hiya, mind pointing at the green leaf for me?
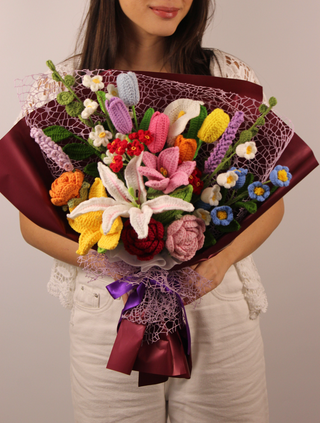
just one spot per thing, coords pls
(245, 136)
(101, 97)
(92, 170)
(196, 123)
(101, 250)
(168, 216)
(209, 240)
(57, 133)
(273, 189)
(249, 180)
(56, 77)
(74, 109)
(260, 121)
(145, 122)
(272, 101)
(250, 206)
(232, 227)
(153, 193)
(263, 108)
(69, 80)
(78, 151)
(199, 142)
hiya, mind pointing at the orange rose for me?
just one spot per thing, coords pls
(187, 148)
(65, 187)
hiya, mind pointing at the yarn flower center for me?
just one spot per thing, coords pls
(249, 149)
(102, 134)
(181, 113)
(222, 215)
(259, 191)
(96, 80)
(282, 175)
(164, 171)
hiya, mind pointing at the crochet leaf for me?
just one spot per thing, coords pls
(91, 169)
(196, 123)
(69, 80)
(145, 122)
(250, 206)
(153, 193)
(232, 227)
(64, 98)
(101, 97)
(57, 133)
(169, 216)
(209, 240)
(78, 151)
(273, 189)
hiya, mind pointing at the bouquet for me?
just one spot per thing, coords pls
(155, 184)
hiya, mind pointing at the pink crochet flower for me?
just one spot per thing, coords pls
(164, 172)
(185, 236)
(158, 128)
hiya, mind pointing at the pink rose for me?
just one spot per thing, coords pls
(185, 236)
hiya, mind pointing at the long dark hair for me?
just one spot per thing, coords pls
(99, 38)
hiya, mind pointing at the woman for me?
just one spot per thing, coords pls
(228, 381)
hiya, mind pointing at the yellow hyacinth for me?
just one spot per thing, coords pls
(89, 225)
(214, 126)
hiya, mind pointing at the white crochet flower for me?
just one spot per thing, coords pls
(211, 195)
(90, 107)
(228, 179)
(100, 136)
(109, 157)
(120, 136)
(124, 203)
(112, 91)
(204, 215)
(247, 150)
(180, 112)
(94, 83)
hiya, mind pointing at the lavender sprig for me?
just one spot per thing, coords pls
(51, 149)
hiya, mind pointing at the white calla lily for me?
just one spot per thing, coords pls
(180, 112)
(128, 202)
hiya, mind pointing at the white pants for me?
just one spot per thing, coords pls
(227, 384)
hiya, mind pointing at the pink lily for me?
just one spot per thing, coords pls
(128, 201)
(164, 172)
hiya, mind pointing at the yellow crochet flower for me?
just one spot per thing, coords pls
(89, 225)
(214, 126)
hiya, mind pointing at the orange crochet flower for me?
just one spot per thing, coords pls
(187, 148)
(65, 187)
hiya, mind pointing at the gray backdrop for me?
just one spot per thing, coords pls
(277, 39)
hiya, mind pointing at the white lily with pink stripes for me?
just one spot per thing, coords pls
(128, 201)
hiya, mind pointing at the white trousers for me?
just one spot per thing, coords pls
(227, 384)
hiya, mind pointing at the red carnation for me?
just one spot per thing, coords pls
(116, 165)
(146, 248)
(134, 148)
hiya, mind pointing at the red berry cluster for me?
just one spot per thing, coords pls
(195, 181)
(143, 136)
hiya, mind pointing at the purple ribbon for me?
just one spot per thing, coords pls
(121, 287)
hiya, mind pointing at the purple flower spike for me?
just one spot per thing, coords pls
(119, 115)
(223, 145)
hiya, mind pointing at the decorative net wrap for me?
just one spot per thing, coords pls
(160, 309)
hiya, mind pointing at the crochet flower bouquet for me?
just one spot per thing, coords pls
(155, 172)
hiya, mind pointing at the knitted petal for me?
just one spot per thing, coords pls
(114, 185)
(111, 240)
(187, 167)
(165, 202)
(151, 173)
(87, 240)
(134, 178)
(158, 185)
(178, 179)
(150, 160)
(159, 126)
(97, 189)
(94, 204)
(139, 219)
(110, 215)
(168, 159)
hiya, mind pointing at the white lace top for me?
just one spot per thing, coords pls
(63, 275)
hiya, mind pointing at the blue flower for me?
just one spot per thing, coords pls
(242, 173)
(128, 88)
(258, 191)
(280, 176)
(202, 205)
(222, 215)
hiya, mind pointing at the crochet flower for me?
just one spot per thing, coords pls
(130, 201)
(213, 126)
(211, 195)
(94, 83)
(228, 179)
(100, 136)
(89, 225)
(222, 215)
(108, 158)
(90, 107)
(135, 148)
(158, 128)
(112, 91)
(164, 172)
(247, 150)
(187, 147)
(119, 115)
(143, 136)
(128, 88)
(117, 163)
(196, 182)
(258, 191)
(180, 112)
(65, 187)
(280, 176)
(146, 248)
(204, 215)
(242, 173)
(185, 237)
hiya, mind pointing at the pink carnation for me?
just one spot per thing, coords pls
(185, 236)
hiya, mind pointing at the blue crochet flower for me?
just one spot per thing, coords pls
(280, 176)
(242, 173)
(202, 205)
(222, 215)
(258, 191)
(128, 88)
